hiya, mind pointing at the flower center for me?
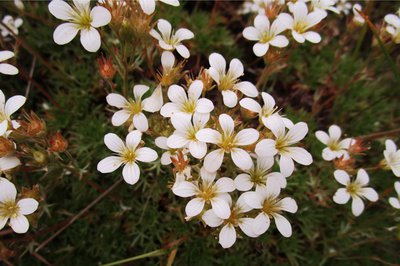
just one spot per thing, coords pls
(128, 156)
(207, 192)
(300, 26)
(191, 133)
(266, 37)
(281, 143)
(227, 142)
(9, 209)
(271, 206)
(227, 82)
(353, 189)
(82, 18)
(2, 117)
(234, 218)
(134, 107)
(266, 112)
(189, 106)
(258, 176)
(334, 145)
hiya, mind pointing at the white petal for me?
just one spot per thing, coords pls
(226, 123)
(184, 189)
(114, 143)
(341, 196)
(9, 162)
(247, 88)
(251, 33)
(283, 225)
(61, 9)
(297, 132)
(3, 221)
(253, 199)
(183, 50)
(204, 106)
(335, 132)
(279, 41)
(171, 2)
(148, 6)
(276, 125)
(213, 160)
(100, 16)
(261, 23)
(390, 145)
(27, 206)
(182, 122)
(241, 158)
(322, 136)
(243, 182)
(261, 224)
(246, 137)
(139, 90)
(315, 17)
(342, 177)
(220, 207)
(260, 49)
(167, 59)
(251, 105)
(312, 36)
(116, 100)
(395, 202)
(120, 117)
(369, 193)
(19, 224)
(225, 184)
(229, 98)
(194, 207)
(140, 122)
(300, 155)
(109, 164)
(266, 148)
(247, 226)
(131, 173)
(357, 206)
(198, 149)
(286, 165)
(13, 104)
(133, 139)
(8, 69)
(8, 191)
(211, 219)
(362, 177)
(218, 62)
(208, 135)
(177, 94)
(227, 236)
(298, 37)
(289, 205)
(177, 141)
(90, 39)
(235, 68)
(154, 103)
(397, 187)
(5, 55)
(169, 109)
(146, 155)
(299, 10)
(183, 34)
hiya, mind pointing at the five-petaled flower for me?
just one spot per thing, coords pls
(392, 157)
(127, 154)
(79, 18)
(355, 189)
(336, 148)
(12, 210)
(7, 108)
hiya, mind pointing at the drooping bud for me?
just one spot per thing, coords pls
(106, 67)
(33, 126)
(6, 147)
(357, 146)
(58, 143)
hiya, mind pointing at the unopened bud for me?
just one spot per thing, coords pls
(343, 163)
(39, 157)
(357, 146)
(32, 126)
(106, 67)
(6, 146)
(58, 143)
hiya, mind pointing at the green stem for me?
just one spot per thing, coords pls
(155, 253)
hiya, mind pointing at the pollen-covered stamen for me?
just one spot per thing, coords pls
(266, 37)
(9, 209)
(191, 133)
(227, 82)
(227, 142)
(207, 191)
(334, 145)
(233, 218)
(271, 206)
(134, 107)
(300, 26)
(82, 19)
(189, 106)
(266, 112)
(258, 176)
(281, 143)
(128, 156)
(353, 189)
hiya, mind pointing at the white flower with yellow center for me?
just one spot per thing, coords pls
(228, 142)
(266, 199)
(149, 6)
(12, 25)
(258, 175)
(6, 68)
(228, 81)
(127, 154)
(282, 145)
(79, 18)
(355, 189)
(12, 210)
(170, 40)
(133, 108)
(266, 34)
(264, 112)
(7, 108)
(395, 201)
(206, 192)
(336, 148)
(227, 234)
(187, 104)
(302, 21)
(185, 134)
(394, 27)
(392, 157)
(323, 5)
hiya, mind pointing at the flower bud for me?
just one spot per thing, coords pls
(357, 146)
(33, 126)
(106, 67)
(58, 143)
(344, 164)
(39, 157)
(6, 146)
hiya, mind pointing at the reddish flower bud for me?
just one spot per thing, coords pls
(344, 164)
(58, 143)
(32, 126)
(357, 146)
(6, 146)
(106, 67)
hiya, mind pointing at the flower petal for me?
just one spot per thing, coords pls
(100, 16)
(109, 164)
(213, 160)
(13, 104)
(61, 10)
(227, 236)
(131, 173)
(341, 196)
(211, 219)
(19, 224)
(357, 206)
(133, 139)
(246, 137)
(8, 191)
(114, 143)
(218, 62)
(27, 206)
(194, 207)
(120, 117)
(90, 39)
(220, 207)
(184, 189)
(266, 148)
(342, 177)
(208, 135)
(241, 158)
(140, 122)
(183, 51)
(260, 49)
(243, 182)
(283, 225)
(230, 98)
(146, 155)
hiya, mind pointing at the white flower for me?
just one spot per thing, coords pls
(395, 202)
(7, 108)
(258, 175)
(12, 24)
(302, 21)
(133, 108)
(19, 4)
(323, 5)
(148, 6)
(185, 134)
(392, 157)
(187, 104)
(282, 145)
(267, 200)
(265, 34)
(228, 142)
(268, 110)
(8, 162)
(358, 19)
(5, 68)
(343, 6)
(15, 211)
(355, 189)
(228, 81)
(167, 61)
(126, 154)
(79, 18)
(336, 148)
(206, 191)
(169, 40)
(394, 27)
(227, 235)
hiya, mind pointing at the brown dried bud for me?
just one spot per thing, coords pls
(206, 79)
(106, 67)
(58, 143)
(180, 163)
(357, 146)
(33, 193)
(344, 164)
(6, 146)
(32, 126)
